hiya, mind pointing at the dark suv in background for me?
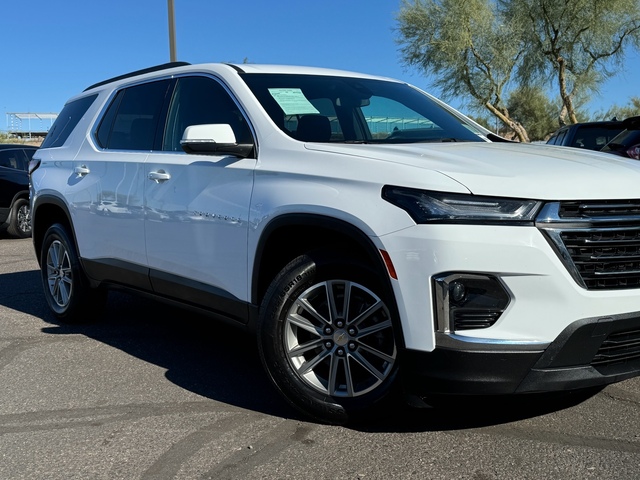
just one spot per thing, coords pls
(589, 135)
(15, 215)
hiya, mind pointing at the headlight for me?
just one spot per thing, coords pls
(437, 207)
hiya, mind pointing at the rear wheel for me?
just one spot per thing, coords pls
(326, 338)
(20, 219)
(66, 288)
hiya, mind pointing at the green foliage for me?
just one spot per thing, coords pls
(574, 44)
(485, 50)
(465, 45)
(533, 109)
(451, 38)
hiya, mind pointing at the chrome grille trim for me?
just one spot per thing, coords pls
(598, 242)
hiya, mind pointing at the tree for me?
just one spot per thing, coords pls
(532, 108)
(575, 43)
(484, 49)
(467, 47)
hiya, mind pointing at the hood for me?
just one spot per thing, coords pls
(541, 172)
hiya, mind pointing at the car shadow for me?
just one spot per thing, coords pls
(220, 362)
(465, 412)
(199, 354)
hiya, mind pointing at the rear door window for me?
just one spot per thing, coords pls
(132, 118)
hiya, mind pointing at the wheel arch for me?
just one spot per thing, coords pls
(20, 195)
(300, 233)
(47, 210)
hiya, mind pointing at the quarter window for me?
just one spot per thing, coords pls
(67, 121)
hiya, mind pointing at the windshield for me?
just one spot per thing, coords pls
(315, 108)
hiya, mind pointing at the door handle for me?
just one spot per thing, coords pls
(81, 171)
(159, 176)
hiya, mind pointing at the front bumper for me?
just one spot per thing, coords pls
(588, 353)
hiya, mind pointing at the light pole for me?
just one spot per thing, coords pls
(172, 32)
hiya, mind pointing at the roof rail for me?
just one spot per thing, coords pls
(163, 66)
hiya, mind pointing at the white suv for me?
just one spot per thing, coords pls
(375, 240)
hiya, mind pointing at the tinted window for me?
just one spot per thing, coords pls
(67, 121)
(199, 101)
(623, 141)
(13, 158)
(594, 137)
(131, 121)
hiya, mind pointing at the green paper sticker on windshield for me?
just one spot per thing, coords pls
(292, 101)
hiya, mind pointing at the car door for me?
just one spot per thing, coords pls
(197, 206)
(108, 201)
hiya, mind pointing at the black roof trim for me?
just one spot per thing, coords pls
(164, 66)
(235, 67)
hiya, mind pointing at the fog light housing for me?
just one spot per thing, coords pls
(465, 301)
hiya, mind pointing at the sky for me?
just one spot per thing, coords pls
(54, 50)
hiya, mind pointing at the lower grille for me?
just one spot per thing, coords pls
(465, 319)
(618, 348)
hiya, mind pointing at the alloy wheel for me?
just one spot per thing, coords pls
(339, 340)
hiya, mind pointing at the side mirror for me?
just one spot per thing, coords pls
(213, 139)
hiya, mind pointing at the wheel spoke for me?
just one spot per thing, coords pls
(54, 288)
(303, 348)
(309, 365)
(366, 364)
(377, 305)
(331, 299)
(53, 255)
(302, 322)
(64, 287)
(336, 364)
(304, 304)
(363, 332)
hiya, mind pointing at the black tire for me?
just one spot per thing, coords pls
(333, 367)
(20, 219)
(66, 288)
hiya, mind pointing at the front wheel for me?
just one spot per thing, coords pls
(326, 338)
(66, 288)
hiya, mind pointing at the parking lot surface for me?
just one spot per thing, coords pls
(151, 392)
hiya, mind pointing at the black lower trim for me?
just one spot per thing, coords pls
(179, 291)
(110, 271)
(487, 369)
(199, 294)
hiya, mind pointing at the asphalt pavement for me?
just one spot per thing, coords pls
(147, 391)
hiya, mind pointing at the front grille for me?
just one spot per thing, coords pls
(598, 241)
(618, 348)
